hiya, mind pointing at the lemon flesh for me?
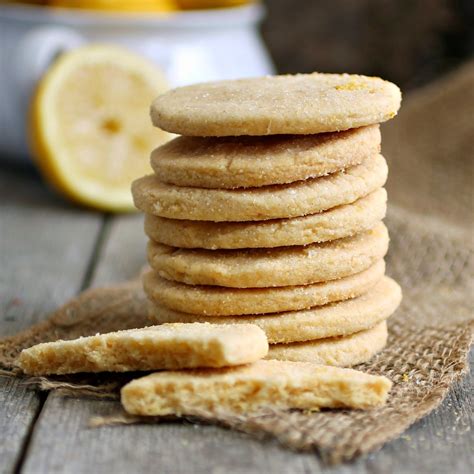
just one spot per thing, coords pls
(90, 127)
(118, 5)
(203, 4)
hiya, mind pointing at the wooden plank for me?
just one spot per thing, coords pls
(63, 443)
(123, 254)
(45, 248)
(18, 409)
(62, 434)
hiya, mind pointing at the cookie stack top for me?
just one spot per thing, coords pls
(302, 104)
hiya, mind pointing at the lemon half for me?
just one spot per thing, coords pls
(118, 5)
(90, 129)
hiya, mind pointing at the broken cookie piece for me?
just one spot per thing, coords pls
(263, 384)
(168, 346)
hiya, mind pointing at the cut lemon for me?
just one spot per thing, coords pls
(118, 5)
(202, 4)
(90, 129)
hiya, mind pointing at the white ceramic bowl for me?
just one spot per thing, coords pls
(189, 46)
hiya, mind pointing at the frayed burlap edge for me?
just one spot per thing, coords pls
(341, 436)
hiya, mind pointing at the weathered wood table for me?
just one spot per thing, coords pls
(50, 251)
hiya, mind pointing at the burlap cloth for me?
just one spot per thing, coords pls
(429, 147)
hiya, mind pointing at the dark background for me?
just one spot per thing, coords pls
(409, 42)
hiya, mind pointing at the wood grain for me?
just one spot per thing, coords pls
(122, 255)
(168, 448)
(45, 247)
(18, 409)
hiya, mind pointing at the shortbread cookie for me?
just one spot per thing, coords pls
(264, 384)
(299, 104)
(336, 223)
(170, 346)
(343, 351)
(335, 319)
(255, 204)
(222, 301)
(243, 162)
(283, 266)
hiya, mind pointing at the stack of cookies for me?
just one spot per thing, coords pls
(268, 210)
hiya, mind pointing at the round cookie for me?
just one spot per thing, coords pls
(344, 351)
(236, 162)
(335, 319)
(297, 104)
(222, 301)
(335, 223)
(283, 266)
(255, 204)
